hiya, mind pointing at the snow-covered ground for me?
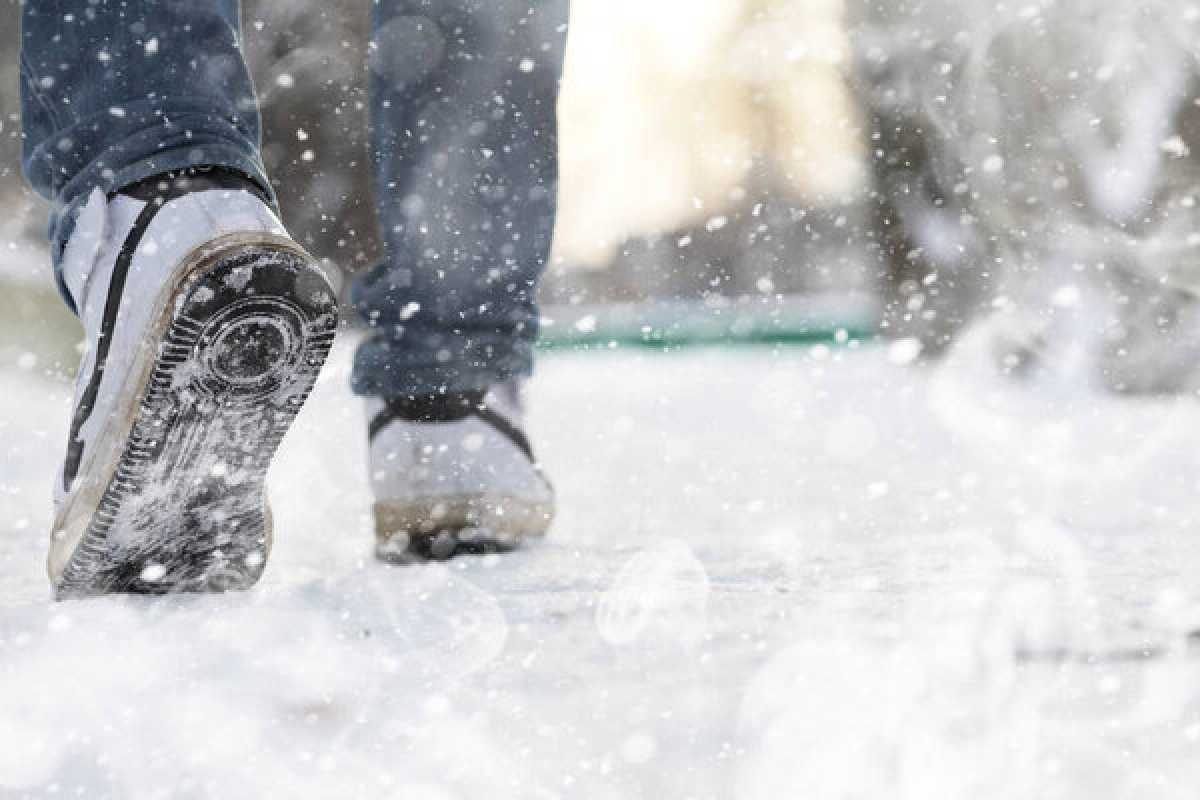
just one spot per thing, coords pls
(798, 573)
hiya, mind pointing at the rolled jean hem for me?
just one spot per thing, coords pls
(220, 155)
(380, 373)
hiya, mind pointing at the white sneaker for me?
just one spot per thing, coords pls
(454, 474)
(206, 326)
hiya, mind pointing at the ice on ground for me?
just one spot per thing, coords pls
(791, 573)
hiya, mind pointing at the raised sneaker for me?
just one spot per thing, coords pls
(205, 329)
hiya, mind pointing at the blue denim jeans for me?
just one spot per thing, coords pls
(464, 143)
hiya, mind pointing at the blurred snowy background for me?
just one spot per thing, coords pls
(812, 572)
(912, 164)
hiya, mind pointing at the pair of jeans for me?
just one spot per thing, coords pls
(463, 137)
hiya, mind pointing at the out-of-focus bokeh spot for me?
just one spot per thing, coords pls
(672, 111)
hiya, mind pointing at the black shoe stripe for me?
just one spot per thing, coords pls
(504, 426)
(156, 192)
(440, 409)
(381, 421)
(116, 288)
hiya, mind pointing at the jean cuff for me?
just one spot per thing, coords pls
(461, 363)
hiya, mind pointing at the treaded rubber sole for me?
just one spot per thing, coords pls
(185, 508)
(437, 529)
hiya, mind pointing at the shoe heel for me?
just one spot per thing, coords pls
(185, 508)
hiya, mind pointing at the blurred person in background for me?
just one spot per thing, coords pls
(206, 324)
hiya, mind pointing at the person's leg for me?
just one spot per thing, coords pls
(204, 324)
(113, 92)
(464, 134)
(465, 142)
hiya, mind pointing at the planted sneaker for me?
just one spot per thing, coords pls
(454, 473)
(206, 326)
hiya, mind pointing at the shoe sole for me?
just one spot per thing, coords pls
(181, 506)
(442, 528)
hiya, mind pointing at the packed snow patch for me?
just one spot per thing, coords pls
(730, 605)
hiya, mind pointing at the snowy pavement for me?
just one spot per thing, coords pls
(792, 573)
